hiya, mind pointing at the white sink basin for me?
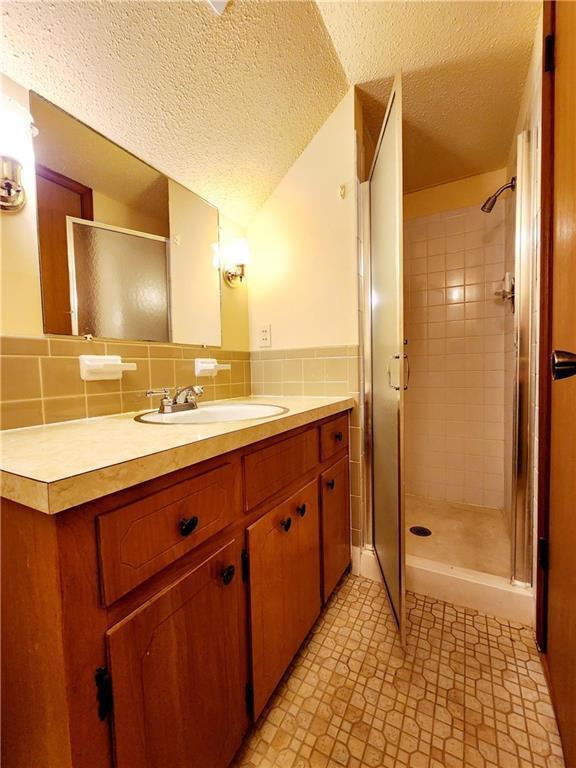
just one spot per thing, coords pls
(212, 414)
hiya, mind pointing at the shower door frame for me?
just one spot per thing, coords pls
(365, 275)
(523, 479)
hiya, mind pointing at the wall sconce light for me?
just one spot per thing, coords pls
(15, 150)
(232, 257)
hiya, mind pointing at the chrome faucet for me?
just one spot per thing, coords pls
(185, 398)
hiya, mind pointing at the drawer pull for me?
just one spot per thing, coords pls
(331, 484)
(339, 437)
(286, 524)
(187, 525)
(301, 510)
(227, 574)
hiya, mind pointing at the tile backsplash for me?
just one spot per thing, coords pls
(40, 378)
(455, 424)
(317, 371)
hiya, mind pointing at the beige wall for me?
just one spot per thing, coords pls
(303, 240)
(118, 214)
(194, 282)
(21, 304)
(457, 194)
(234, 301)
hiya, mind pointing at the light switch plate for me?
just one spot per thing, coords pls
(265, 335)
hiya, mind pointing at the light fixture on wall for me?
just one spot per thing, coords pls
(232, 257)
(15, 150)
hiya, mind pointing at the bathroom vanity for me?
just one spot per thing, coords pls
(153, 599)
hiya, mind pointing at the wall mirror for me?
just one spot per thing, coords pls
(125, 252)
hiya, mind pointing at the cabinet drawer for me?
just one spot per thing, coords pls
(270, 469)
(140, 539)
(333, 436)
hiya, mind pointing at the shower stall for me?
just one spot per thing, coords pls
(469, 411)
(450, 385)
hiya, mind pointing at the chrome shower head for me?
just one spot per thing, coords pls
(491, 201)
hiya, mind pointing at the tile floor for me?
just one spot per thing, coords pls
(469, 692)
(462, 534)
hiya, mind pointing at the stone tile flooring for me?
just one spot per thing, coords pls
(468, 692)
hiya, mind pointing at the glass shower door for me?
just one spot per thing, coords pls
(387, 352)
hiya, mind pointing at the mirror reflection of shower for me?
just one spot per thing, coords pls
(491, 201)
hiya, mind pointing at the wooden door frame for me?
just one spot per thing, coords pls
(84, 192)
(545, 345)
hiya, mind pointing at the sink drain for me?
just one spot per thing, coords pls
(420, 530)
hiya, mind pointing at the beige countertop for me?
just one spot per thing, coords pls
(58, 466)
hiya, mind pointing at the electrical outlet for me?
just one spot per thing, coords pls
(265, 335)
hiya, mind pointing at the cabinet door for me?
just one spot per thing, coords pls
(179, 671)
(335, 524)
(284, 548)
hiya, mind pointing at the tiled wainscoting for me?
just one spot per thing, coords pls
(329, 371)
(454, 261)
(41, 380)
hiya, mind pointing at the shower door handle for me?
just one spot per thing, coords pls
(398, 357)
(563, 364)
(391, 359)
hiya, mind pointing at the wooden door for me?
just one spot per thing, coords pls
(179, 671)
(335, 525)
(284, 550)
(561, 608)
(58, 197)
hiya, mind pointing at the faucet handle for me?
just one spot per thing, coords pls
(193, 392)
(164, 391)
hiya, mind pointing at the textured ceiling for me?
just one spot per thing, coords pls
(464, 65)
(223, 104)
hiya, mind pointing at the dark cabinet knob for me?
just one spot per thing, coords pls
(187, 525)
(331, 484)
(339, 437)
(301, 510)
(227, 574)
(286, 523)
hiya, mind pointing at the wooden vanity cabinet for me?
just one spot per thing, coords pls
(284, 552)
(179, 670)
(132, 638)
(335, 495)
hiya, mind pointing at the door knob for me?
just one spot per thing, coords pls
(301, 510)
(286, 524)
(331, 484)
(563, 364)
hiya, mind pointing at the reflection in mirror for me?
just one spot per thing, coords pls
(125, 252)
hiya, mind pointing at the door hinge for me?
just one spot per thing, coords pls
(103, 682)
(245, 565)
(249, 699)
(549, 57)
(543, 553)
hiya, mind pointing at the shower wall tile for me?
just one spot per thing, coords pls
(456, 332)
